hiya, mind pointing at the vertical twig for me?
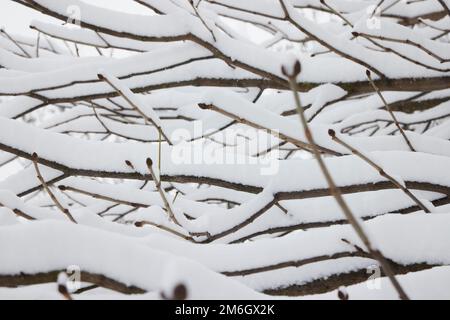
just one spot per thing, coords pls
(159, 151)
(77, 50)
(334, 190)
(388, 108)
(38, 43)
(158, 186)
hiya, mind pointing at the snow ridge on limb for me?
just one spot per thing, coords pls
(186, 157)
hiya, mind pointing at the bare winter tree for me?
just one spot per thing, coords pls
(227, 149)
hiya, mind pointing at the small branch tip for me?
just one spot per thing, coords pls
(149, 162)
(297, 68)
(331, 133)
(129, 164)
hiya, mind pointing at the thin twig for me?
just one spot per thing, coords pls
(149, 163)
(388, 108)
(135, 107)
(380, 170)
(159, 226)
(376, 8)
(195, 7)
(19, 213)
(444, 5)
(167, 204)
(334, 190)
(157, 182)
(66, 211)
(336, 13)
(38, 43)
(15, 42)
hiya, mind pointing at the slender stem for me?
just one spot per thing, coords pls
(380, 170)
(157, 182)
(38, 43)
(195, 7)
(444, 5)
(19, 213)
(159, 152)
(388, 108)
(161, 191)
(334, 190)
(64, 188)
(135, 107)
(336, 13)
(143, 223)
(15, 42)
(47, 189)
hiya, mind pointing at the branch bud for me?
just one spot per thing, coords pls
(149, 163)
(297, 68)
(331, 133)
(129, 164)
(342, 293)
(180, 292)
(139, 224)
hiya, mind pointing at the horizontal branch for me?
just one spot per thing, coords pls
(23, 279)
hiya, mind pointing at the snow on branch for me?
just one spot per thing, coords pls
(162, 150)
